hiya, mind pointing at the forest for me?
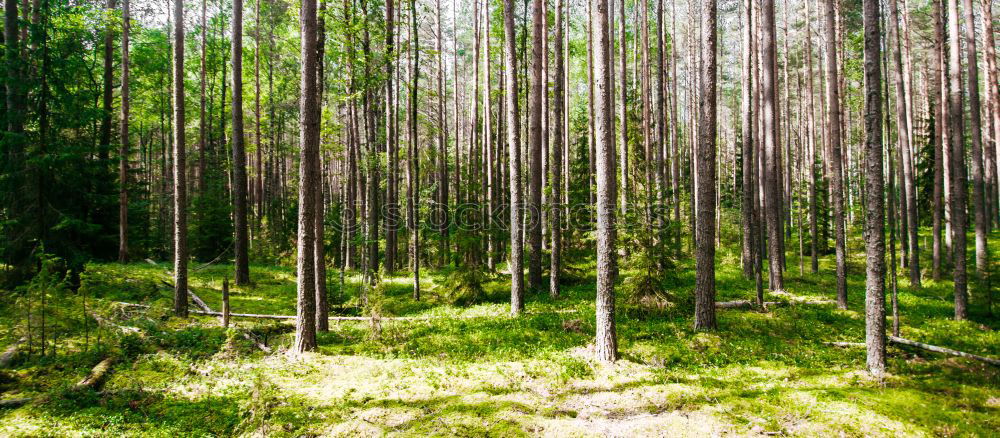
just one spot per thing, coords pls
(499, 218)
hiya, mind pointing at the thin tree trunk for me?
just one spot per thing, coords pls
(940, 124)
(534, 219)
(976, 132)
(179, 168)
(319, 201)
(242, 241)
(413, 162)
(905, 146)
(104, 146)
(957, 165)
(556, 158)
(392, 143)
(748, 213)
(993, 94)
(202, 126)
(124, 151)
(836, 187)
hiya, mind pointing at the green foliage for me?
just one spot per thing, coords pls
(463, 286)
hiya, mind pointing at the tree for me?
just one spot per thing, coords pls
(748, 213)
(392, 143)
(242, 241)
(606, 337)
(704, 301)
(514, 148)
(771, 122)
(556, 159)
(123, 153)
(957, 146)
(874, 186)
(179, 169)
(108, 88)
(534, 220)
(836, 161)
(938, 85)
(909, 188)
(976, 132)
(305, 325)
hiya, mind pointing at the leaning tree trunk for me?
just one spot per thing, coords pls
(957, 152)
(874, 187)
(179, 169)
(305, 319)
(836, 182)
(704, 304)
(606, 347)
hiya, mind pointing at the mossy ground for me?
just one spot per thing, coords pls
(474, 371)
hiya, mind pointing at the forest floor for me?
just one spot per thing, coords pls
(474, 371)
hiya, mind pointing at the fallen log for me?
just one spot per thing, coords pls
(738, 304)
(845, 344)
(14, 402)
(936, 349)
(259, 344)
(10, 352)
(97, 374)
(193, 296)
(94, 379)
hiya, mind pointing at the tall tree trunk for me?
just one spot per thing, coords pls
(556, 158)
(123, 153)
(534, 219)
(516, 264)
(319, 200)
(104, 147)
(771, 122)
(704, 304)
(606, 347)
(179, 168)
(623, 160)
(202, 126)
(976, 132)
(957, 152)
(413, 162)
(874, 185)
(392, 144)
(836, 186)
(813, 175)
(940, 124)
(241, 241)
(305, 321)
(905, 146)
(660, 190)
(748, 213)
(993, 113)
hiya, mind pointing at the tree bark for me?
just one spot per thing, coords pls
(606, 347)
(556, 158)
(179, 168)
(242, 241)
(305, 321)
(748, 213)
(516, 264)
(319, 200)
(704, 305)
(976, 132)
(534, 219)
(957, 152)
(940, 124)
(123, 153)
(836, 186)
(905, 144)
(993, 96)
(771, 122)
(874, 187)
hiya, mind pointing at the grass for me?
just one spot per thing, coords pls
(477, 372)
